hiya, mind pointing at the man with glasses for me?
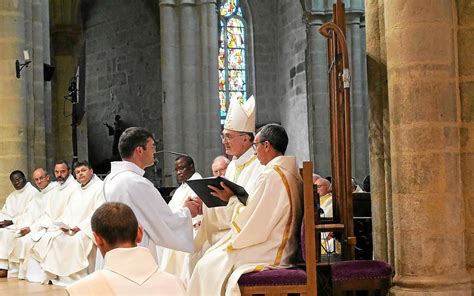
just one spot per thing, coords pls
(126, 184)
(263, 232)
(325, 202)
(219, 165)
(28, 227)
(244, 169)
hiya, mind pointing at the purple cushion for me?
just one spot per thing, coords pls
(360, 269)
(274, 277)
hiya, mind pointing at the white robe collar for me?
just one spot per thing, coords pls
(91, 181)
(27, 186)
(244, 157)
(119, 166)
(136, 264)
(286, 162)
(50, 187)
(69, 181)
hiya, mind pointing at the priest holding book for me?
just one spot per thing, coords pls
(263, 232)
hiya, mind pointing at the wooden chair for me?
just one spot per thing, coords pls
(293, 280)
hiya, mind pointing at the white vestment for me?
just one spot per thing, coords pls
(128, 271)
(43, 230)
(244, 171)
(68, 254)
(162, 227)
(15, 209)
(172, 261)
(327, 243)
(263, 233)
(35, 210)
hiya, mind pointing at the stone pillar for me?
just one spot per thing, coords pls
(49, 137)
(466, 86)
(379, 132)
(318, 105)
(13, 119)
(171, 79)
(37, 147)
(189, 77)
(428, 206)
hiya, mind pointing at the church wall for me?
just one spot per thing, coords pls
(265, 57)
(291, 77)
(122, 69)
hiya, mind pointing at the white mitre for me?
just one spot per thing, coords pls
(241, 117)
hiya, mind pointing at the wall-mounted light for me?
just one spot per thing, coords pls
(19, 66)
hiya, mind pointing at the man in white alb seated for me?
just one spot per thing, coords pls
(244, 169)
(264, 231)
(67, 256)
(55, 206)
(173, 261)
(27, 224)
(12, 214)
(128, 268)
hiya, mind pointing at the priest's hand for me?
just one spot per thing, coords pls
(194, 206)
(225, 194)
(75, 230)
(24, 231)
(6, 223)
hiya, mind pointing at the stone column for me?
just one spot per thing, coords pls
(428, 205)
(37, 147)
(13, 119)
(189, 77)
(379, 132)
(466, 86)
(171, 79)
(49, 137)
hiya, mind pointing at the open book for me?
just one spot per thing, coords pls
(199, 186)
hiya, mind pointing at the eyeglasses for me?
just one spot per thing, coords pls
(228, 137)
(254, 145)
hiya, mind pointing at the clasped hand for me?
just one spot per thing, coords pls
(223, 194)
(194, 205)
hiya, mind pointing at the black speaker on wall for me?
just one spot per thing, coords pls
(48, 72)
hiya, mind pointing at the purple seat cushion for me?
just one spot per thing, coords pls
(274, 277)
(359, 270)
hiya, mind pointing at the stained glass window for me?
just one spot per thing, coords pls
(232, 52)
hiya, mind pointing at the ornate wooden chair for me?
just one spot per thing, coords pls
(293, 280)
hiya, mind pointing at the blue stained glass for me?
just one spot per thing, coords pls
(232, 55)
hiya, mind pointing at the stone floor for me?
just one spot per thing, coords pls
(12, 287)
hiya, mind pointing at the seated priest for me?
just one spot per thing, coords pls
(264, 231)
(12, 214)
(173, 261)
(54, 209)
(27, 225)
(244, 170)
(128, 268)
(68, 251)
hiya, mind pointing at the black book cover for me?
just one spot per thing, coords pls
(199, 186)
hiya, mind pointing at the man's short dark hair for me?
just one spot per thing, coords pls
(82, 163)
(276, 135)
(63, 162)
(115, 222)
(187, 159)
(132, 138)
(19, 173)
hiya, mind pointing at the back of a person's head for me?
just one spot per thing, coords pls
(276, 135)
(115, 222)
(131, 138)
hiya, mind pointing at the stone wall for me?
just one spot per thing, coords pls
(122, 70)
(291, 78)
